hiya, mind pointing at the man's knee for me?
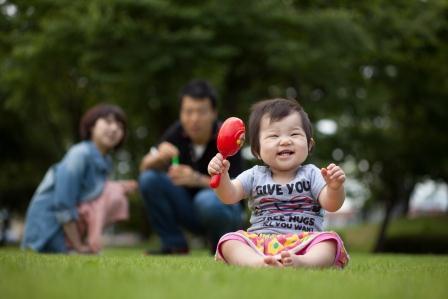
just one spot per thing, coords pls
(148, 180)
(211, 210)
(206, 202)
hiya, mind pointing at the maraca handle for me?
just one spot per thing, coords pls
(214, 182)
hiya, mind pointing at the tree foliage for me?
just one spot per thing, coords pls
(376, 68)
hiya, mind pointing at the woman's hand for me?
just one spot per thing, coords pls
(130, 186)
(84, 249)
(94, 245)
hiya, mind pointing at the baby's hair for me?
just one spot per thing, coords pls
(275, 109)
(90, 117)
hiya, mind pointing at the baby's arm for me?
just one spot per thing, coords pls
(229, 191)
(332, 195)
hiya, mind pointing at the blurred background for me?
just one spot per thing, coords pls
(372, 75)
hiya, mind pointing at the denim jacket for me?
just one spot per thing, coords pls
(79, 177)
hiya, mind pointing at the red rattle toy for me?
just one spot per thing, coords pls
(230, 140)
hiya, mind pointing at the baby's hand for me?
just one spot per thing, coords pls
(333, 175)
(218, 165)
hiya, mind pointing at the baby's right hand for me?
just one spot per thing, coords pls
(218, 165)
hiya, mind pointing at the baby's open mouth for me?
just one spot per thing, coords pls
(285, 153)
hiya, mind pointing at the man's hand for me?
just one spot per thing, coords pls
(160, 157)
(167, 151)
(334, 176)
(184, 175)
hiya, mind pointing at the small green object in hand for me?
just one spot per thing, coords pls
(175, 160)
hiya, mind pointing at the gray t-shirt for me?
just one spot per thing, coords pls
(283, 208)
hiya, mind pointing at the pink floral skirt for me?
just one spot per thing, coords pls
(273, 244)
(111, 206)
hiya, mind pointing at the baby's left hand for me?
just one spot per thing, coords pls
(333, 175)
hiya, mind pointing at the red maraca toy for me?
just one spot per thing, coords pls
(230, 140)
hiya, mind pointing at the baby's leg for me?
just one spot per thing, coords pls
(319, 256)
(238, 253)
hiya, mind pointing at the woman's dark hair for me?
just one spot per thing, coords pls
(199, 89)
(90, 117)
(275, 109)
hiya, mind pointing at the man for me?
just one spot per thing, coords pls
(174, 182)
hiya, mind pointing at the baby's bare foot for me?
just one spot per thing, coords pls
(289, 259)
(271, 261)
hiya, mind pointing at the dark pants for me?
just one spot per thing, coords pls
(171, 207)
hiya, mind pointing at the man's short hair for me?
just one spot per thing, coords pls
(198, 89)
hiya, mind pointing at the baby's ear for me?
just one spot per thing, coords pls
(311, 145)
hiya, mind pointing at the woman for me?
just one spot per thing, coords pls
(72, 196)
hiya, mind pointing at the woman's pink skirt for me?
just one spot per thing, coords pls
(273, 245)
(111, 206)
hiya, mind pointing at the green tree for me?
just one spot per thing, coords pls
(61, 57)
(376, 68)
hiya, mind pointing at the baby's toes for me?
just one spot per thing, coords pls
(286, 258)
(272, 261)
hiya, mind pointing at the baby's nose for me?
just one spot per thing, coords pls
(285, 140)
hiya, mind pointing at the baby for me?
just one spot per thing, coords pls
(286, 197)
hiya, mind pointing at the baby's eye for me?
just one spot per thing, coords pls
(272, 136)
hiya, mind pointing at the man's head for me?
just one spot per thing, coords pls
(198, 110)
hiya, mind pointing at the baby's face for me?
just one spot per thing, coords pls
(283, 143)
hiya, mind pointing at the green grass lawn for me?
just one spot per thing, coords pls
(362, 238)
(126, 273)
